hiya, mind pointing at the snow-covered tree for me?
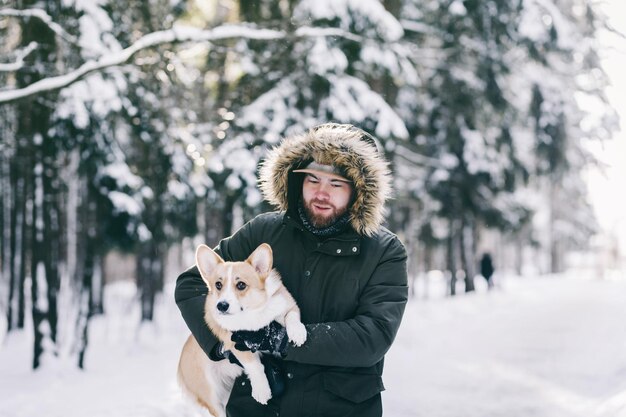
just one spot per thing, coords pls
(36, 167)
(462, 123)
(286, 87)
(132, 125)
(560, 76)
(499, 100)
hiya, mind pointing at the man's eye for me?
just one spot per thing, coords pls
(218, 286)
(241, 286)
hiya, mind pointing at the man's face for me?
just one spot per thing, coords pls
(326, 198)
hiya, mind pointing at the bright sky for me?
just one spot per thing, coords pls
(606, 188)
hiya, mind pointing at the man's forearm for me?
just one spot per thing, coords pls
(358, 342)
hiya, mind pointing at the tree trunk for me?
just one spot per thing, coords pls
(87, 265)
(519, 251)
(227, 215)
(92, 275)
(10, 257)
(19, 230)
(468, 252)
(556, 264)
(42, 197)
(213, 226)
(52, 230)
(451, 256)
(7, 198)
(150, 276)
(38, 268)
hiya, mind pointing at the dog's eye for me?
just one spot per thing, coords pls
(241, 286)
(218, 286)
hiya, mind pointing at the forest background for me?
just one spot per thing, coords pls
(132, 131)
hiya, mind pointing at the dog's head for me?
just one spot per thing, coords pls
(236, 287)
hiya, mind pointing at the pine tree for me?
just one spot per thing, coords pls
(35, 172)
(465, 123)
(563, 67)
(165, 203)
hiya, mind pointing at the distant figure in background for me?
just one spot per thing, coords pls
(486, 269)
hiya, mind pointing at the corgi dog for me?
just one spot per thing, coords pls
(245, 295)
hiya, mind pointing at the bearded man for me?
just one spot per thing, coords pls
(345, 270)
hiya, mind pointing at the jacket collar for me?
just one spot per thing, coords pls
(346, 243)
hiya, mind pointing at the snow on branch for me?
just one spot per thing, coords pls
(418, 27)
(19, 61)
(44, 17)
(309, 32)
(175, 35)
(419, 159)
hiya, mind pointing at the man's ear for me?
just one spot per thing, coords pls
(261, 259)
(207, 260)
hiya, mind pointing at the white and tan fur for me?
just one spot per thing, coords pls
(242, 296)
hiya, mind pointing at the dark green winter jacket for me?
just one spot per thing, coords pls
(351, 290)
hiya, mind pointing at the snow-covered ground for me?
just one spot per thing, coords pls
(549, 347)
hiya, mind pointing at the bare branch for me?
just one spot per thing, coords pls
(19, 61)
(175, 35)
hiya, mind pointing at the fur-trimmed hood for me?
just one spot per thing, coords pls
(350, 149)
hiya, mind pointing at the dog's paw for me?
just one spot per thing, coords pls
(297, 333)
(261, 394)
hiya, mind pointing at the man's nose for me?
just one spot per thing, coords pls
(322, 195)
(322, 192)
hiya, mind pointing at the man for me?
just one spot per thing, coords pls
(487, 269)
(347, 273)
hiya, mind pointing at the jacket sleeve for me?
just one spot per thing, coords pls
(190, 294)
(362, 341)
(191, 291)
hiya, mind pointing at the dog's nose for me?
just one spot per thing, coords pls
(222, 306)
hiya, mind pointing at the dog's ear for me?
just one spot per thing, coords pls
(261, 259)
(207, 260)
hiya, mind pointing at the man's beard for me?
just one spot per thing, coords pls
(321, 221)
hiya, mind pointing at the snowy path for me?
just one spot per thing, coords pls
(549, 347)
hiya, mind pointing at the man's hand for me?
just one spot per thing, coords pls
(218, 353)
(271, 339)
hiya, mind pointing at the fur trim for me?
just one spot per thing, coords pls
(341, 145)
